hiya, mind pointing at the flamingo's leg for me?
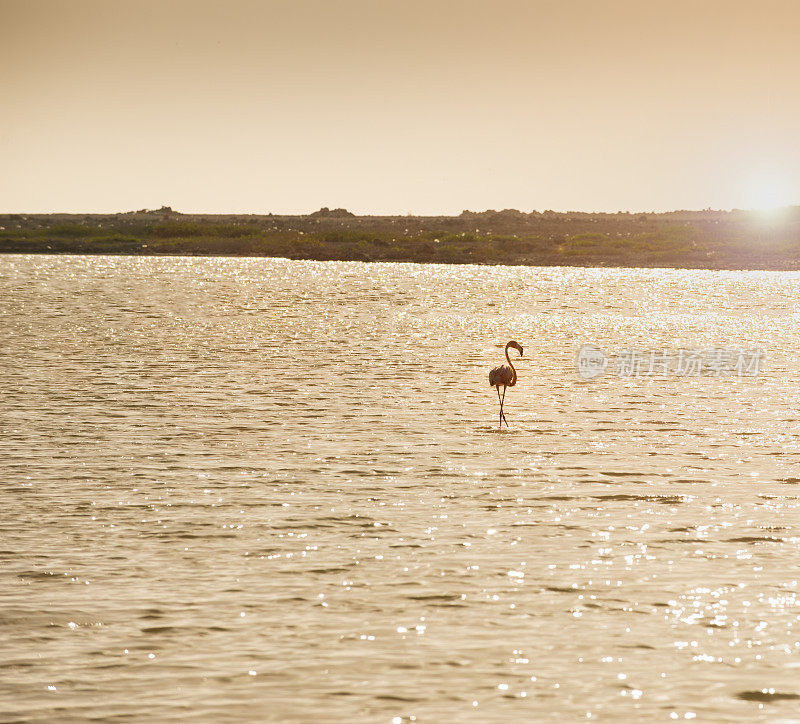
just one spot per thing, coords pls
(497, 387)
(502, 416)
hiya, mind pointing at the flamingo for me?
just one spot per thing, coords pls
(505, 375)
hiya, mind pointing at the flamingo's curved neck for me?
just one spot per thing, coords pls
(513, 370)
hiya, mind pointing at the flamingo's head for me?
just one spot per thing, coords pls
(516, 345)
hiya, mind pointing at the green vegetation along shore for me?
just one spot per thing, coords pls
(680, 239)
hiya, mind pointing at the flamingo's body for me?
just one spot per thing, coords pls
(505, 375)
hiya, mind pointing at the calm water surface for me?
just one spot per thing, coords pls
(267, 490)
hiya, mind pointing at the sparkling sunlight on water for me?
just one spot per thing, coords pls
(253, 489)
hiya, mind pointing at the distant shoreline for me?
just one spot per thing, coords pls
(732, 240)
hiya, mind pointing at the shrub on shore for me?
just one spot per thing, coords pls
(544, 239)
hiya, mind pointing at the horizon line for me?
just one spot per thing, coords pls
(168, 209)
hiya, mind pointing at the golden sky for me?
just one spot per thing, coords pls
(412, 106)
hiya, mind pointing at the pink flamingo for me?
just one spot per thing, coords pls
(505, 375)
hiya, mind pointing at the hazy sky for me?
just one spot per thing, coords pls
(398, 107)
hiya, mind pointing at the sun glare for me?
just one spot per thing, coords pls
(768, 195)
